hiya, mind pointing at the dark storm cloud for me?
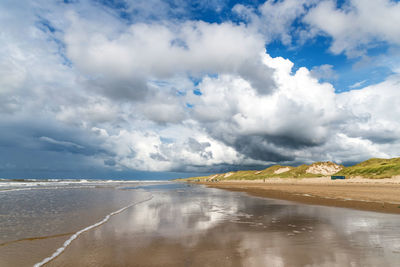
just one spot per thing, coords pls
(158, 157)
(259, 148)
(259, 76)
(290, 140)
(123, 90)
(47, 143)
(110, 162)
(218, 168)
(200, 148)
(25, 137)
(378, 135)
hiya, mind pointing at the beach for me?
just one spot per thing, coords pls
(379, 195)
(200, 133)
(183, 224)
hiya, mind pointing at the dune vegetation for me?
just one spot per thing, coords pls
(372, 168)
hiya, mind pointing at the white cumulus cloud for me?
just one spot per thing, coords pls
(358, 25)
(184, 95)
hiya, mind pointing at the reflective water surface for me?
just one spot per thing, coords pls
(188, 225)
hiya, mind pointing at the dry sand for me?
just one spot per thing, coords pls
(382, 195)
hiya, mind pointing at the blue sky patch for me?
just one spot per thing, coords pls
(197, 92)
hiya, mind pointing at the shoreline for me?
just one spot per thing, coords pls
(362, 194)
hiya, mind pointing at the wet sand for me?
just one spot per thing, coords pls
(197, 226)
(192, 225)
(35, 222)
(362, 194)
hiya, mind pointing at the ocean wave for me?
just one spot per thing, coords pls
(8, 185)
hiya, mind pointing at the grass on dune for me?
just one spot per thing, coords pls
(373, 168)
(294, 172)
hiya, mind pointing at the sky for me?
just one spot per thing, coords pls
(157, 89)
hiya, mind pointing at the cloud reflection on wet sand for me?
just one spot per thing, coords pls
(196, 226)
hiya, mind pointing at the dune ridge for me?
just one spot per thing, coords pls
(374, 168)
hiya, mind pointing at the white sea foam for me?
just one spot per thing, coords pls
(16, 189)
(74, 236)
(28, 184)
(6, 190)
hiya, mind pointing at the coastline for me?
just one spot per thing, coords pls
(381, 195)
(191, 225)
